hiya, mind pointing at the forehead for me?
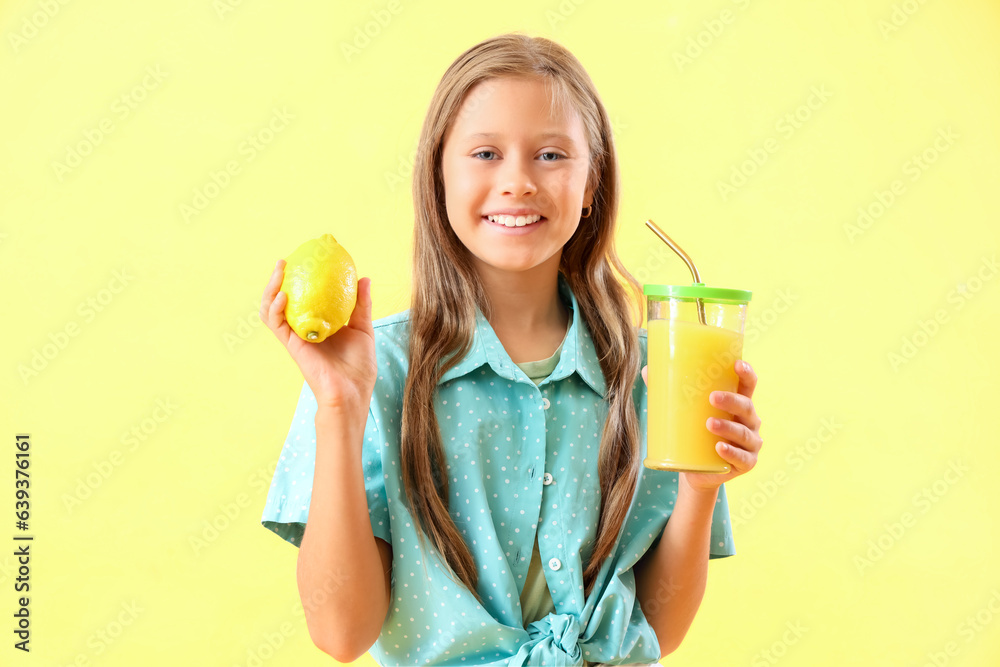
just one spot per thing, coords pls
(507, 106)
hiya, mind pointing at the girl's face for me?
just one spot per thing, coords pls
(508, 154)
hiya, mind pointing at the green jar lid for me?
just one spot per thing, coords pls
(697, 291)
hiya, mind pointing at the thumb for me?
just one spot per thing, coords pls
(361, 317)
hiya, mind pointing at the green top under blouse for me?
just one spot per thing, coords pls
(536, 601)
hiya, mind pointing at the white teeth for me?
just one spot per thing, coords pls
(514, 221)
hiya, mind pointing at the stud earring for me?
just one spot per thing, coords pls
(589, 209)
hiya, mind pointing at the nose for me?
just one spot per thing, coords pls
(515, 178)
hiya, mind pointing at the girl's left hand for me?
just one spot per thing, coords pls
(741, 439)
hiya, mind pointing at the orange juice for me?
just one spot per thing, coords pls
(687, 361)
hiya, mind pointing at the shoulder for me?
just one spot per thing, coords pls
(392, 339)
(392, 323)
(392, 336)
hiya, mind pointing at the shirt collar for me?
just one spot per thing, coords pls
(578, 352)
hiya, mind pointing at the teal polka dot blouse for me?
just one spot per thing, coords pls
(522, 460)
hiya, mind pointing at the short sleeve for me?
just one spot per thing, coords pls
(652, 506)
(287, 507)
(657, 492)
(722, 528)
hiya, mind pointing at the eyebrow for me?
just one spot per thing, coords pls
(544, 135)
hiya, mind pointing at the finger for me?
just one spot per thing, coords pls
(739, 406)
(748, 379)
(361, 316)
(276, 317)
(272, 287)
(735, 433)
(644, 378)
(741, 460)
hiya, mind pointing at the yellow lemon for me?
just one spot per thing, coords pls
(321, 282)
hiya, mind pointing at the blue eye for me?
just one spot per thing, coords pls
(557, 156)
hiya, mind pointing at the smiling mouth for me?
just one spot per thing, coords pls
(513, 220)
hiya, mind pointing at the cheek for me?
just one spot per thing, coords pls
(570, 184)
(459, 185)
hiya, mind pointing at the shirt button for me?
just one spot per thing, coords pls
(555, 564)
(547, 479)
(545, 403)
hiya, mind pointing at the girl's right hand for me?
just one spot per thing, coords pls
(341, 370)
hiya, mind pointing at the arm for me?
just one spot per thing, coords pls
(670, 578)
(342, 571)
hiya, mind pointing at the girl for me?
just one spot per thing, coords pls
(464, 479)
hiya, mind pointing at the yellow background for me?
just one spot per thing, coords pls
(840, 544)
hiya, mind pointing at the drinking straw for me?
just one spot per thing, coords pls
(687, 260)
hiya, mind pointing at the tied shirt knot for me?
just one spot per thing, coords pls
(554, 640)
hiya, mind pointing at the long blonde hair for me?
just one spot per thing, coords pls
(443, 317)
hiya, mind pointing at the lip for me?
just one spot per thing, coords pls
(516, 231)
(513, 211)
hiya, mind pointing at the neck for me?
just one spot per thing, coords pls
(528, 316)
(527, 301)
